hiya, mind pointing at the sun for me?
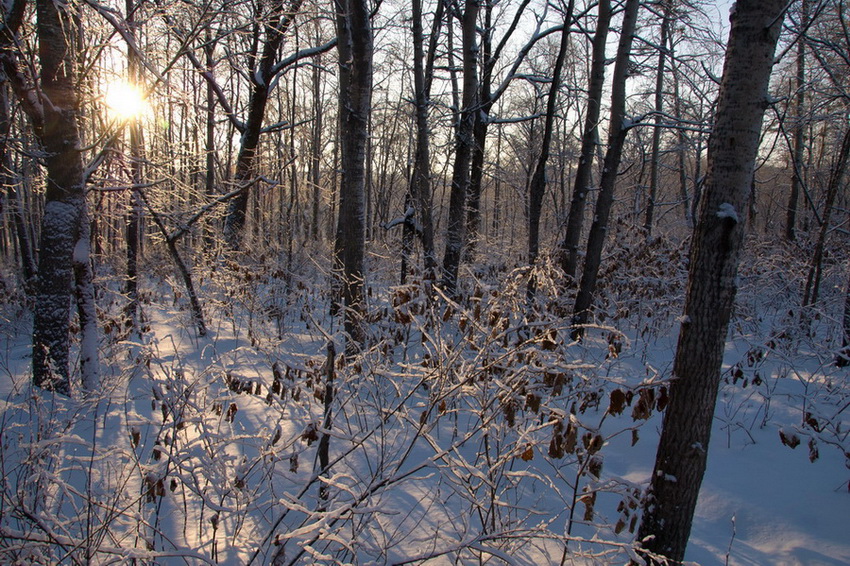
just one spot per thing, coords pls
(125, 101)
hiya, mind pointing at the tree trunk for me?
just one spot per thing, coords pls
(616, 138)
(316, 149)
(134, 216)
(464, 140)
(64, 199)
(537, 187)
(681, 458)
(355, 49)
(589, 137)
(843, 357)
(681, 140)
(812, 289)
(799, 130)
(656, 131)
(420, 186)
(279, 21)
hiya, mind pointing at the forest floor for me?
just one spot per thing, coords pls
(469, 431)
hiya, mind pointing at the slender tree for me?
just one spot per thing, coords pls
(537, 187)
(12, 18)
(682, 452)
(660, 71)
(355, 49)
(274, 30)
(617, 130)
(420, 185)
(464, 141)
(589, 143)
(799, 128)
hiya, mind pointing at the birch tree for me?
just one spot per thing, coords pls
(682, 452)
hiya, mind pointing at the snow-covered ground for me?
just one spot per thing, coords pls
(467, 433)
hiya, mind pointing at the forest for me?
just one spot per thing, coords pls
(429, 282)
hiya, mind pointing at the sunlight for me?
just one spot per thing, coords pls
(125, 101)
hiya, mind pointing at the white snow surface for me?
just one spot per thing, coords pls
(401, 492)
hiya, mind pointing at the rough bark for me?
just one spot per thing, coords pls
(681, 457)
(584, 171)
(464, 140)
(617, 131)
(354, 32)
(64, 199)
(537, 188)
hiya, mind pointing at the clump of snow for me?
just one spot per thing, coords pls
(727, 210)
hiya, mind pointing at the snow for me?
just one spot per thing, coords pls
(727, 210)
(424, 462)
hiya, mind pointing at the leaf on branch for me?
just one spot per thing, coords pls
(789, 439)
(617, 402)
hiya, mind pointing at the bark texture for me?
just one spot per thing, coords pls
(681, 457)
(64, 199)
(355, 49)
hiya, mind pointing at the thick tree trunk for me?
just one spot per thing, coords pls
(659, 107)
(681, 458)
(589, 137)
(616, 138)
(464, 140)
(537, 187)
(64, 200)
(354, 32)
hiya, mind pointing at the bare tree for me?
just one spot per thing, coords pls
(537, 187)
(263, 74)
(12, 18)
(354, 45)
(666, 22)
(617, 131)
(799, 128)
(682, 452)
(53, 113)
(589, 143)
(464, 141)
(420, 184)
